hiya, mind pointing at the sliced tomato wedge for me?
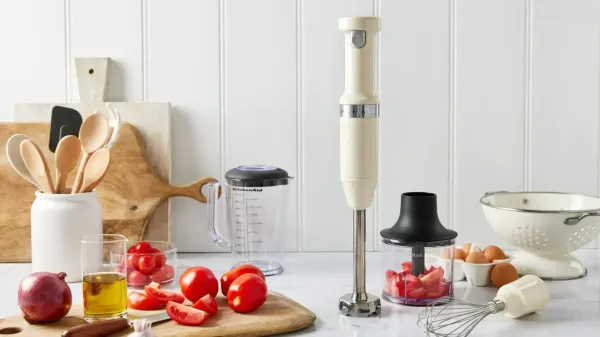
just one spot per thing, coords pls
(394, 286)
(141, 301)
(163, 295)
(433, 279)
(185, 315)
(207, 304)
(416, 293)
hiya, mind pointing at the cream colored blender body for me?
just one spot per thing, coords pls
(359, 149)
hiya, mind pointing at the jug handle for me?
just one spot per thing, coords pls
(214, 191)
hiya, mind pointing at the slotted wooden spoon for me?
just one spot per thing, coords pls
(36, 164)
(65, 161)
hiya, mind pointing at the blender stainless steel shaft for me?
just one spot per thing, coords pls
(359, 149)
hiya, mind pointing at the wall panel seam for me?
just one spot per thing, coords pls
(222, 73)
(597, 240)
(145, 72)
(452, 116)
(300, 232)
(376, 202)
(67, 8)
(527, 96)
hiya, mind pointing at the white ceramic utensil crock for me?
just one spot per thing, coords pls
(546, 227)
(58, 221)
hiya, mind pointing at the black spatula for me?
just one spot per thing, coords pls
(64, 121)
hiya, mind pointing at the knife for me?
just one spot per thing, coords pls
(109, 327)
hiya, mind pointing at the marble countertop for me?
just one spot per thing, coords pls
(316, 280)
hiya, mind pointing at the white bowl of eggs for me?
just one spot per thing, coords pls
(475, 264)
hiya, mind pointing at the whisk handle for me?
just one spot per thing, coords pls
(523, 296)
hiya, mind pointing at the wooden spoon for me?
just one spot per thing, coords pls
(67, 156)
(95, 170)
(93, 135)
(13, 153)
(37, 165)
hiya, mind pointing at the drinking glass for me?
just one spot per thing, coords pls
(104, 268)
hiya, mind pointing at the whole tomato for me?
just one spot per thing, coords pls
(196, 282)
(169, 271)
(137, 279)
(141, 247)
(236, 272)
(146, 264)
(132, 260)
(247, 293)
(158, 276)
(159, 257)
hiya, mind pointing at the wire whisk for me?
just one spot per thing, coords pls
(449, 317)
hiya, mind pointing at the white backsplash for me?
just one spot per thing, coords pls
(475, 96)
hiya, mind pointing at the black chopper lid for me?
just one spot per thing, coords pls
(256, 176)
(418, 223)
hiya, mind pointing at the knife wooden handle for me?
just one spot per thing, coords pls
(98, 329)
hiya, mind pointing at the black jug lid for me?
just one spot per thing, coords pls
(256, 176)
(418, 223)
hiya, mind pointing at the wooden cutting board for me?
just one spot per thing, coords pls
(129, 193)
(278, 315)
(152, 120)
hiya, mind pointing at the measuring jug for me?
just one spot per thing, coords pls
(254, 199)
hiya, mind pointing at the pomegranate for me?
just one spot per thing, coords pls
(44, 297)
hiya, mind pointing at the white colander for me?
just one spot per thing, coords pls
(546, 227)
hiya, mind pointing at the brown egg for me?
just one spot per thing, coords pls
(458, 254)
(503, 273)
(467, 248)
(494, 253)
(476, 257)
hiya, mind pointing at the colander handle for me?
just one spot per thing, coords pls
(575, 220)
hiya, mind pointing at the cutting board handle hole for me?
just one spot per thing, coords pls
(91, 71)
(10, 331)
(133, 208)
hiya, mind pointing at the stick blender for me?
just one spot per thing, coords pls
(359, 149)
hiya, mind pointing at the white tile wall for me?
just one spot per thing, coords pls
(475, 95)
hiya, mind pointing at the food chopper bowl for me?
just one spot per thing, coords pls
(404, 283)
(546, 227)
(415, 273)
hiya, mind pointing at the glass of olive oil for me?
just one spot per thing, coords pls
(104, 264)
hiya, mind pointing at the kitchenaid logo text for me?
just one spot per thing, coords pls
(247, 189)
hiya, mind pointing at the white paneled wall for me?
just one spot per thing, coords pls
(489, 107)
(475, 95)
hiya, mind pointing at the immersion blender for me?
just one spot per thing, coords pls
(359, 149)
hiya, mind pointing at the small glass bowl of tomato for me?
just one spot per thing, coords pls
(151, 261)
